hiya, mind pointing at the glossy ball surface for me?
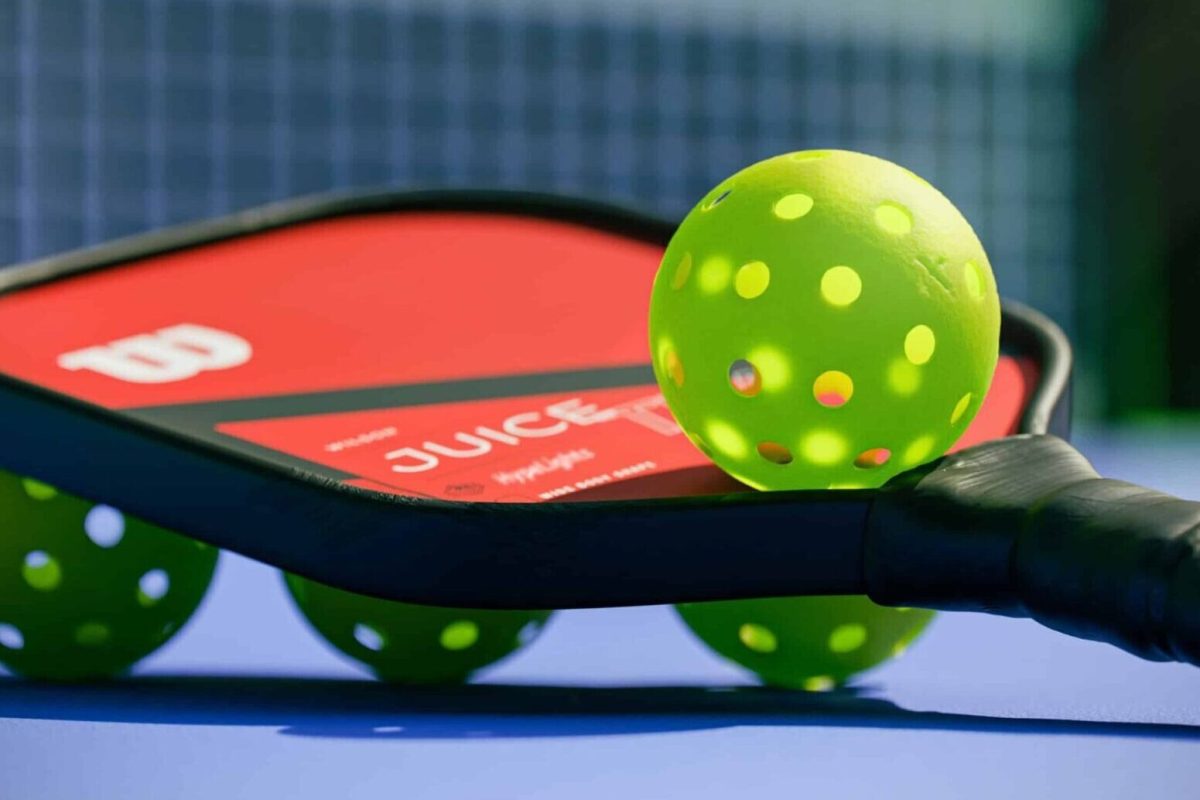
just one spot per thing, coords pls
(813, 643)
(824, 319)
(411, 644)
(86, 591)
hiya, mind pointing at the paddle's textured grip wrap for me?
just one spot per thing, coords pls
(1024, 526)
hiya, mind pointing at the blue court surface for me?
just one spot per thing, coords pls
(622, 703)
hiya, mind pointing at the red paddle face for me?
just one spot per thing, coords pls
(452, 354)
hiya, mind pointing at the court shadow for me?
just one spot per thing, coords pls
(360, 709)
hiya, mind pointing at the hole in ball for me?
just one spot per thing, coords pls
(841, 286)
(752, 280)
(793, 206)
(92, 634)
(38, 490)
(459, 635)
(152, 587)
(674, 368)
(10, 637)
(894, 218)
(873, 459)
(919, 344)
(682, 271)
(41, 571)
(716, 201)
(105, 526)
(973, 277)
(745, 378)
(833, 389)
(847, 638)
(758, 638)
(775, 452)
(368, 637)
(960, 408)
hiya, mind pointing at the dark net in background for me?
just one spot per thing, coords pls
(122, 115)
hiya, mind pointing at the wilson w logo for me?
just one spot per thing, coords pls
(170, 354)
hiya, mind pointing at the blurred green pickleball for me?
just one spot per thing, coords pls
(824, 319)
(86, 591)
(813, 643)
(411, 644)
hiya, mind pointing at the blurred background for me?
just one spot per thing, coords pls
(1065, 130)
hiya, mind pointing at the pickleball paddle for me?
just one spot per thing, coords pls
(446, 399)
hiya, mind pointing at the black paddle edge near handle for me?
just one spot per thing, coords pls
(1024, 527)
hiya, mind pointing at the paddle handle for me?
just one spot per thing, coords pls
(1024, 526)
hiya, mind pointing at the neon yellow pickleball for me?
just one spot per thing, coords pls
(824, 319)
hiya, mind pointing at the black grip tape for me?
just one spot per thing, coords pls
(1024, 526)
